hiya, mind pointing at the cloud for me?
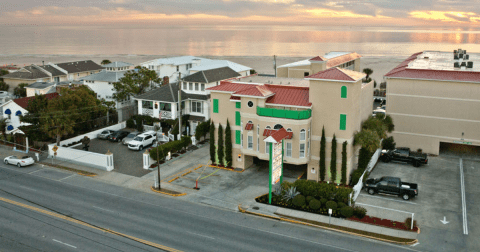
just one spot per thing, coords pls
(450, 16)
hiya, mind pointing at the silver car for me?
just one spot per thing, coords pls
(130, 137)
(19, 161)
(105, 134)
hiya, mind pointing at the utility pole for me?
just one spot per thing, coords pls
(179, 106)
(158, 167)
(275, 64)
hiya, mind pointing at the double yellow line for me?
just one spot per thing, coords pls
(89, 225)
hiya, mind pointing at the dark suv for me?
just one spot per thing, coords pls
(118, 136)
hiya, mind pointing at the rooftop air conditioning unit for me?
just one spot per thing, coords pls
(470, 64)
(456, 65)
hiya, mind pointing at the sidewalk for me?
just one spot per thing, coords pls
(278, 212)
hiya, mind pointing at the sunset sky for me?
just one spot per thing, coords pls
(447, 13)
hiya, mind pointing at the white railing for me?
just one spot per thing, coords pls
(358, 187)
(147, 111)
(166, 114)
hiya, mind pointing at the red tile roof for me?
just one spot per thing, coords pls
(234, 98)
(401, 71)
(288, 95)
(249, 126)
(255, 90)
(279, 134)
(23, 102)
(342, 59)
(318, 58)
(269, 132)
(336, 73)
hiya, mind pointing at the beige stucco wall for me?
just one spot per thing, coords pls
(298, 71)
(13, 83)
(316, 67)
(282, 72)
(427, 112)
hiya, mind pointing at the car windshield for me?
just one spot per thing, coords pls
(25, 157)
(138, 139)
(105, 132)
(131, 135)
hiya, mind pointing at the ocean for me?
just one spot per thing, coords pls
(288, 41)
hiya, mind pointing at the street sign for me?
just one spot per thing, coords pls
(55, 148)
(276, 162)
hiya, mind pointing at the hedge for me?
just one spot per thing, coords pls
(323, 190)
(346, 211)
(331, 205)
(172, 147)
(314, 204)
(299, 200)
(359, 212)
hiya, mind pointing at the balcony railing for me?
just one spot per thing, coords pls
(283, 113)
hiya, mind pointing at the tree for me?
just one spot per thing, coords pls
(3, 127)
(368, 139)
(389, 122)
(212, 143)
(105, 61)
(368, 72)
(4, 86)
(388, 143)
(344, 163)
(20, 90)
(323, 142)
(333, 160)
(134, 82)
(228, 145)
(220, 151)
(4, 72)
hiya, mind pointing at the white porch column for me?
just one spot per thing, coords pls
(174, 110)
(139, 107)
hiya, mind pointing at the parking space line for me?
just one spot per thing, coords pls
(36, 171)
(67, 177)
(66, 244)
(464, 203)
(407, 202)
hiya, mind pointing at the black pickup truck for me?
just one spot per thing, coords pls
(391, 185)
(404, 155)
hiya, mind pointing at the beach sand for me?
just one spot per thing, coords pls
(263, 65)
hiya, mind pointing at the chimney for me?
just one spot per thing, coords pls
(43, 63)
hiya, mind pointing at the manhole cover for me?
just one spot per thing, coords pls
(255, 208)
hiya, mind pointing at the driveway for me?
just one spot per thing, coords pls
(440, 198)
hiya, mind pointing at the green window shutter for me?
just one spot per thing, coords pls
(237, 118)
(238, 137)
(343, 121)
(344, 91)
(238, 105)
(215, 105)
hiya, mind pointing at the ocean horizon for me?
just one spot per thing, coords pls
(229, 40)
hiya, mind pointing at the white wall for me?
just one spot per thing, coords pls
(95, 160)
(14, 120)
(102, 88)
(93, 134)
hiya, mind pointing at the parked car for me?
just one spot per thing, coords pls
(105, 134)
(404, 155)
(130, 137)
(392, 185)
(379, 111)
(383, 107)
(118, 136)
(378, 99)
(19, 161)
(143, 140)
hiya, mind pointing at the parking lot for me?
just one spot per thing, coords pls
(440, 198)
(125, 161)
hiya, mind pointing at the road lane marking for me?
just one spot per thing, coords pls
(67, 177)
(464, 203)
(201, 235)
(399, 201)
(103, 209)
(28, 188)
(36, 171)
(66, 244)
(60, 216)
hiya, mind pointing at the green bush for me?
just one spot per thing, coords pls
(388, 143)
(172, 147)
(341, 205)
(299, 200)
(331, 205)
(309, 198)
(314, 204)
(286, 185)
(323, 201)
(356, 176)
(363, 158)
(130, 123)
(346, 211)
(408, 223)
(359, 212)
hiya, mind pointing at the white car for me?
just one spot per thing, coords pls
(19, 161)
(143, 140)
(379, 111)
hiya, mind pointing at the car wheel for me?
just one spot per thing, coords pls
(386, 159)
(371, 191)
(19, 165)
(406, 197)
(416, 164)
(140, 148)
(6, 162)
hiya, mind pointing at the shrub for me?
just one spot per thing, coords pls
(322, 155)
(408, 223)
(344, 163)
(388, 143)
(299, 200)
(331, 205)
(359, 212)
(346, 211)
(314, 204)
(130, 124)
(290, 193)
(341, 205)
(333, 160)
(356, 176)
(309, 198)
(286, 185)
(323, 201)
(363, 158)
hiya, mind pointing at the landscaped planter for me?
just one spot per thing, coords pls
(384, 223)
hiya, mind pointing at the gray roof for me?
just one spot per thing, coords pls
(106, 76)
(28, 73)
(53, 70)
(41, 85)
(212, 75)
(169, 93)
(118, 64)
(80, 66)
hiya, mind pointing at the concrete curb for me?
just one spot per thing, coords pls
(223, 168)
(77, 171)
(327, 228)
(169, 194)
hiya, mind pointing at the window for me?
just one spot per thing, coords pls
(277, 126)
(238, 105)
(241, 139)
(268, 127)
(166, 106)
(302, 150)
(289, 130)
(178, 68)
(203, 87)
(308, 148)
(250, 104)
(156, 105)
(147, 104)
(250, 142)
(238, 118)
(258, 129)
(196, 107)
(289, 150)
(79, 74)
(343, 122)
(215, 105)
(190, 86)
(305, 74)
(258, 144)
(238, 136)
(267, 148)
(302, 135)
(184, 86)
(196, 86)
(344, 92)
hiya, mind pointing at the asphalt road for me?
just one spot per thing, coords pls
(34, 205)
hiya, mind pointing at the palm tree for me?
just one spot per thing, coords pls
(105, 61)
(368, 72)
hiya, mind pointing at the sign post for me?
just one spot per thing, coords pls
(275, 143)
(55, 148)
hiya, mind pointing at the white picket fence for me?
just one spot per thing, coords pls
(373, 161)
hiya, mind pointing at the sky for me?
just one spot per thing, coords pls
(425, 13)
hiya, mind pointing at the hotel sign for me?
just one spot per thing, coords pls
(276, 162)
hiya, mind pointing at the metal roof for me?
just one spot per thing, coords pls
(218, 64)
(212, 75)
(106, 76)
(332, 58)
(255, 79)
(118, 64)
(337, 74)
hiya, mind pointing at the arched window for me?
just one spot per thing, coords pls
(302, 135)
(344, 92)
(268, 127)
(289, 130)
(277, 126)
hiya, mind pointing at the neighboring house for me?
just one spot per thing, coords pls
(434, 100)
(185, 65)
(13, 109)
(102, 84)
(301, 69)
(335, 99)
(39, 88)
(51, 72)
